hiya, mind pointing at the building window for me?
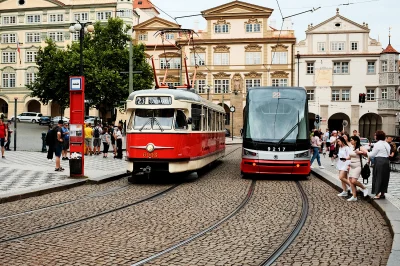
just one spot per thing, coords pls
(169, 36)
(30, 78)
(56, 36)
(75, 36)
(253, 27)
(321, 47)
(250, 83)
(279, 58)
(346, 95)
(253, 58)
(371, 67)
(370, 95)
(335, 95)
(31, 56)
(56, 17)
(142, 37)
(384, 93)
(105, 15)
(82, 17)
(8, 80)
(354, 46)
(310, 67)
(221, 59)
(337, 46)
(221, 85)
(9, 38)
(200, 59)
(310, 94)
(222, 28)
(33, 19)
(8, 57)
(384, 66)
(279, 82)
(170, 63)
(201, 83)
(9, 20)
(341, 67)
(33, 37)
(172, 84)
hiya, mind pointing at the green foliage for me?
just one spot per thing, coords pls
(105, 57)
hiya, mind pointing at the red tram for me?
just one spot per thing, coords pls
(172, 130)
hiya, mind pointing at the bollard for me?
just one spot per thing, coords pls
(44, 149)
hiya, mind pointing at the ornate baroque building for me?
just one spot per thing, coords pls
(237, 51)
(336, 63)
(30, 22)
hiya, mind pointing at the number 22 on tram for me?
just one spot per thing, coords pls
(275, 132)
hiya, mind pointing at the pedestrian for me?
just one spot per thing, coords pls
(106, 139)
(88, 139)
(332, 147)
(3, 136)
(50, 141)
(355, 158)
(65, 135)
(9, 131)
(381, 172)
(347, 139)
(327, 136)
(111, 130)
(355, 133)
(118, 137)
(96, 139)
(315, 145)
(58, 146)
(393, 149)
(343, 164)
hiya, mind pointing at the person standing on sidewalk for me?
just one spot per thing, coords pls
(88, 139)
(58, 146)
(315, 145)
(50, 141)
(96, 139)
(65, 132)
(343, 164)
(327, 135)
(9, 131)
(3, 136)
(105, 138)
(332, 147)
(118, 137)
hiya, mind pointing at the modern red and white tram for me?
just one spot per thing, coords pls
(172, 130)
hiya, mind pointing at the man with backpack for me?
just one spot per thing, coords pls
(3, 136)
(97, 141)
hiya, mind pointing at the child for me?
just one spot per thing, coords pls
(105, 138)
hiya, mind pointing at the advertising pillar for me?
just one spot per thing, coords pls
(77, 118)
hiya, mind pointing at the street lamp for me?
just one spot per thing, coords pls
(82, 28)
(298, 68)
(208, 88)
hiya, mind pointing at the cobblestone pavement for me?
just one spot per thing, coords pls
(129, 235)
(393, 194)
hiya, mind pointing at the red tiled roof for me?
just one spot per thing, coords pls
(390, 50)
(142, 4)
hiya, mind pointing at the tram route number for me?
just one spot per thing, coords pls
(154, 100)
(150, 155)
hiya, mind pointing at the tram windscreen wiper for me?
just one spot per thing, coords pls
(158, 124)
(290, 131)
(148, 120)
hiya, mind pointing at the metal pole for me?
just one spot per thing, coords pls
(130, 65)
(208, 93)
(15, 124)
(232, 126)
(298, 70)
(82, 32)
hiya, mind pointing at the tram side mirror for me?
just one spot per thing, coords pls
(189, 121)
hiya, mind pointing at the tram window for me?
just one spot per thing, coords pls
(180, 121)
(154, 119)
(209, 120)
(196, 117)
(204, 115)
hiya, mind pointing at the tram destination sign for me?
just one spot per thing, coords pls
(154, 100)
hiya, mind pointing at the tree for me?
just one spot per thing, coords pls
(105, 64)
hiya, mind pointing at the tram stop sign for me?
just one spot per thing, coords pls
(232, 109)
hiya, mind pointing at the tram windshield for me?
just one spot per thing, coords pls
(276, 115)
(151, 119)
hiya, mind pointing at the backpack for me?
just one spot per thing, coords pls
(96, 132)
(50, 137)
(365, 173)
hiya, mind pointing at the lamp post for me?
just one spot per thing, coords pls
(298, 68)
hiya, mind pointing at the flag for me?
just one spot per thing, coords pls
(18, 50)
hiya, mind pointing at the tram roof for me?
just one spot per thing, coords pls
(275, 88)
(178, 95)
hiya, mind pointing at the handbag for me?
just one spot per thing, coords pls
(365, 173)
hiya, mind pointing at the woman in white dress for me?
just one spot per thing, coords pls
(343, 164)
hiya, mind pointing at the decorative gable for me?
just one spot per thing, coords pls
(237, 8)
(13, 4)
(156, 23)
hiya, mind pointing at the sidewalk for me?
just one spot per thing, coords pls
(389, 207)
(236, 140)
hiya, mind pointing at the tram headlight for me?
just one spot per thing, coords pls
(150, 147)
(302, 155)
(249, 153)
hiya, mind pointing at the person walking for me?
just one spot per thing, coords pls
(355, 167)
(88, 139)
(381, 171)
(111, 132)
(332, 147)
(3, 136)
(315, 145)
(65, 135)
(343, 164)
(58, 146)
(9, 131)
(118, 137)
(327, 136)
(106, 139)
(50, 141)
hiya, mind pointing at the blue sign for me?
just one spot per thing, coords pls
(75, 84)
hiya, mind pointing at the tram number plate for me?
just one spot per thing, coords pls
(276, 94)
(150, 155)
(276, 148)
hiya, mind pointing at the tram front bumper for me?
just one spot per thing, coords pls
(287, 167)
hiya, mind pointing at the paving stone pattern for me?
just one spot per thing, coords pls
(393, 194)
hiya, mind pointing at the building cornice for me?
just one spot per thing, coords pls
(16, 10)
(338, 55)
(290, 40)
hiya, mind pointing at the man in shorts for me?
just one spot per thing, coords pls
(88, 138)
(3, 136)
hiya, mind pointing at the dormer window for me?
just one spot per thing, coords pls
(338, 25)
(221, 28)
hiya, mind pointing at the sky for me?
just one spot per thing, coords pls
(379, 14)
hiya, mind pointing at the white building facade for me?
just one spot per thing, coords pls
(336, 63)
